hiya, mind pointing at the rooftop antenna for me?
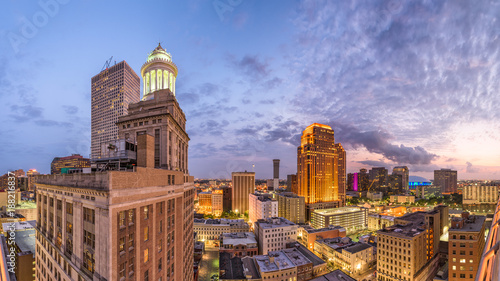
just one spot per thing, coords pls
(107, 63)
(253, 168)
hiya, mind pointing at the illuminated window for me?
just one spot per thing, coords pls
(146, 233)
(146, 256)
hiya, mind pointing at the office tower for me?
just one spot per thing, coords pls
(378, 179)
(63, 164)
(446, 179)
(291, 183)
(404, 172)
(276, 174)
(465, 244)
(116, 224)
(363, 180)
(352, 182)
(113, 89)
(243, 185)
(227, 194)
(4, 179)
(408, 250)
(159, 114)
(274, 233)
(292, 207)
(395, 184)
(320, 169)
(261, 206)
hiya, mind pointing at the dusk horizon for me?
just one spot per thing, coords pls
(401, 83)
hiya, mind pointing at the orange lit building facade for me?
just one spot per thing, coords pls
(321, 166)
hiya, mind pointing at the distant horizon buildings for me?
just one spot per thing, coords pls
(321, 165)
(112, 90)
(63, 164)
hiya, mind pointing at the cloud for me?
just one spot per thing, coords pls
(250, 65)
(272, 83)
(70, 109)
(470, 168)
(23, 113)
(374, 163)
(377, 142)
(52, 123)
(267, 101)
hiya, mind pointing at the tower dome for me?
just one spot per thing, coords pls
(158, 73)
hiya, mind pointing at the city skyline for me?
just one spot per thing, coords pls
(411, 84)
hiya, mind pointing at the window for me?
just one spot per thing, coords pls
(462, 245)
(122, 219)
(146, 233)
(146, 255)
(160, 244)
(69, 228)
(122, 270)
(159, 264)
(89, 215)
(131, 216)
(88, 261)
(89, 239)
(122, 244)
(69, 208)
(161, 226)
(146, 212)
(462, 275)
(131, 240)
(462, 260)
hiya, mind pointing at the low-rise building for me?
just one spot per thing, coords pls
(236, 268)
(402, 199)
(210, 230)
(377, 221)
(350, 218)
(273, 234)
(375, 196)
(307, 235)
(239, 244)
(336, 275)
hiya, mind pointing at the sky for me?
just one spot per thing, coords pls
(411, 83)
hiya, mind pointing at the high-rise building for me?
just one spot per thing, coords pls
(395, 184)
(227, 194)
(466, 243)
(405, 176)
(159, 114)
(446, 179)
(75, 161)
(276, 174)
(262, 206)
(113, 89)
(114, 225)
(320, 168)
(480, 197)
(378, 179)
(292, 207)
(243, 185)
(408, 250)
(291, 183)
(274, 233)
(489, 267)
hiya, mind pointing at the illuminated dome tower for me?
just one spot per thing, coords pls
(158, 73)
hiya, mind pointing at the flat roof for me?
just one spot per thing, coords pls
(357, 248)
(281, 261)
(26, 240)
(274, 222)
(296, 256)
(20, 225)
(308, 254)
(473, 224)
(238, 238)
(336, 211)
(336, 275)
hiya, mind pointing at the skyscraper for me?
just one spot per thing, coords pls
(243, 185)
(276, 174)
(113, 89)
(159, 114)
(405, 175)
(378, 179)
(320, 168)
(446, 179)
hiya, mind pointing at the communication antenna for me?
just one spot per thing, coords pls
(107, 63)
(253, 168)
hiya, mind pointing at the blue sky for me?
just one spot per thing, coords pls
(401, 82)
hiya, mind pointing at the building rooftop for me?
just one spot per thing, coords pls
(26, 240)
(297, 258)
(336, 211)
(306, 252)
(230, 267)
(415, 224)
(222, 222)
(238, 238)
(310, 229)
(249, 268)
(358, 247)
(273, 261)
(274, 222)
(336, 275)
(473, 224)
(20, 225)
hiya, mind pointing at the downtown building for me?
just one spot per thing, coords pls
(273, 234)
(243, 186)
(465, 246)
(480, 198)
(446, 179)
(65, 164)
(262, 206)
(113, 90)
(350, 218)
(321, 167)
(131, 224)
(291, 207)
(408, 250)
(404, 172)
